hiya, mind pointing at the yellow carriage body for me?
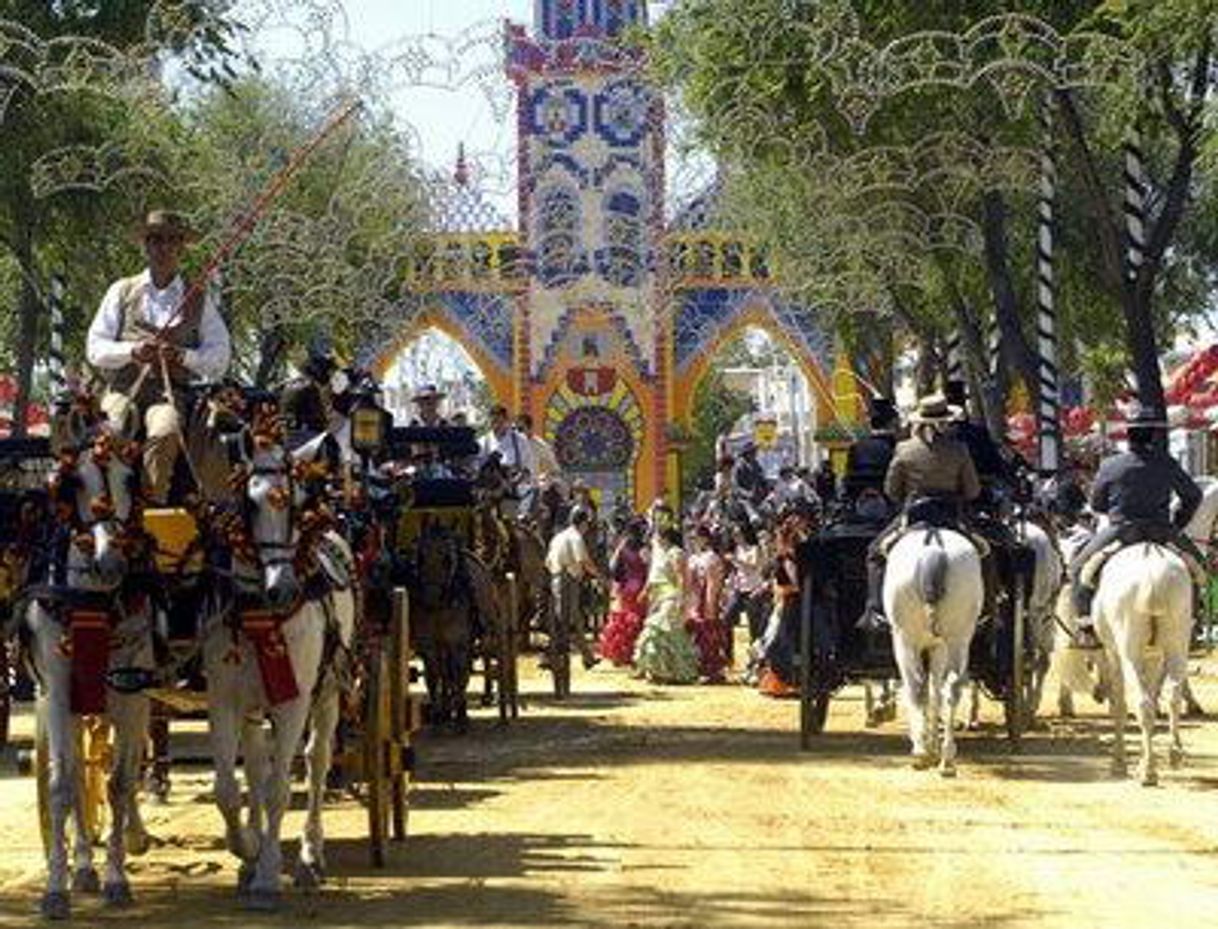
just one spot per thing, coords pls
(175, 531)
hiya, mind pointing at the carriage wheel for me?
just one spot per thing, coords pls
(560, 652)
(400, 713)
(96, 756)
(93, 753)
(6, 696)
(507, 655)
(813, 705)
(1015, 703)
(376, 738)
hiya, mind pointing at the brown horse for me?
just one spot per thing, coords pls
(442, 623)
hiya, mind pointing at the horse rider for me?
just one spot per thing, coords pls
(1134, 489)
(515, 456)
(153, 328)
(307, 401)
(569, 562)
(867, 461)
(928, 466)
(748, 476)
(994, 469)
(549, 472)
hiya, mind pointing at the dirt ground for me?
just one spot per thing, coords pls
(632, 805)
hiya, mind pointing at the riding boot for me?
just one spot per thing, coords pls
(990, 586)
(873, 612)
(1084, 636)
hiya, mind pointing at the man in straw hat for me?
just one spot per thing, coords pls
(1135, 489)
(148, 330)
(927, 464)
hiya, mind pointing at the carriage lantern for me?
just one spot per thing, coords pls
(367, 426)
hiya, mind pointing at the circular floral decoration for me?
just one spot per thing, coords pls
(620, 113)
(558, 114)
(593, 439)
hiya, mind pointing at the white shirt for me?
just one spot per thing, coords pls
(547, 462)
(515, 451)
(567, 553)
(104, 349)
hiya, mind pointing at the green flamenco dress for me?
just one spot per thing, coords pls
(665, 652)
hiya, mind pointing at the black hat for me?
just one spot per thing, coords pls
(1141, 417)
(883, 413)
(319, 364)
(955, 392)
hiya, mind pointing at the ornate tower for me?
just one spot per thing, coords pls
(591, 357)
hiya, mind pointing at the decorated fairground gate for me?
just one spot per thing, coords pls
(599, 315)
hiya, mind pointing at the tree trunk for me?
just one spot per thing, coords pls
(270, 351)
(1014, 348)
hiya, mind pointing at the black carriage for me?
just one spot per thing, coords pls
(438, 494)
(837, 649)
(24, 466)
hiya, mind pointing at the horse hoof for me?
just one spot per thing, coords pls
(262, 901)
(1175, 757)
(245, 877)
(1150, 779)
(117, 893)
(308, 876)
(947, 769)
(85, 881)
(921, 762)
(56, 905)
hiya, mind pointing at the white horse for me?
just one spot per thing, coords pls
(265, 575)
(1039, 616)
(1143, 615)
(933, 593)
(1076, 670)
(96, 496)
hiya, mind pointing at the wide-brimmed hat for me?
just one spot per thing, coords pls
(883, 413)
(932, 409)
(166, 222)
(1141, 417)
(428, 392)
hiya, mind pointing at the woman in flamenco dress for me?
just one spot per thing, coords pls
(703, 606)
(665, 653)
(627, 608)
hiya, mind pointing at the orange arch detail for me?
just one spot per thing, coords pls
(499, 380)
(755, 315)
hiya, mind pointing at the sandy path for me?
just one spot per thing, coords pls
(641, 806)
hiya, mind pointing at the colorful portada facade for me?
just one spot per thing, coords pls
(597, 313)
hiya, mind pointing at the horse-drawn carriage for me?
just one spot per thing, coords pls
(465, 603)
(837, 649)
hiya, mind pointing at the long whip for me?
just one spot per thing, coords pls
(245, 224)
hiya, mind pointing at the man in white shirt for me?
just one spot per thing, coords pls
(149, 329)
(515, 453)
(568, 562)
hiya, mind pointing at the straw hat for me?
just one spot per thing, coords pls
(428, 392)
(932, 409)
(166, 222)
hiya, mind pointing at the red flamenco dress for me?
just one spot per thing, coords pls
(703, 592)
(627, 608)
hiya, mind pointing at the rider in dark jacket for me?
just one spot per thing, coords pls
(1134, 489)
(993, 467)
(868, 459)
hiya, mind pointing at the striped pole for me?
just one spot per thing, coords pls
(55, 364)
(994, 347)
(955, 357)
(1049, 404)
(1135, 206)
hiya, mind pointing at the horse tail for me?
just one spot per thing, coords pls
(932, 573)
